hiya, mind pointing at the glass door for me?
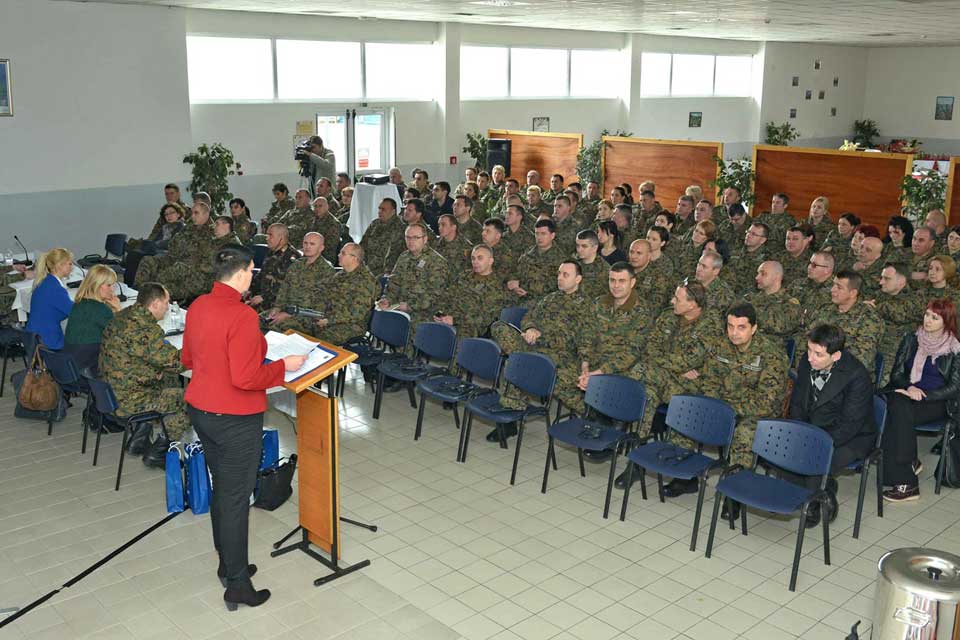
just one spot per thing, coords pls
(361, 139)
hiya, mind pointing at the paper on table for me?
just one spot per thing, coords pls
(280, 345)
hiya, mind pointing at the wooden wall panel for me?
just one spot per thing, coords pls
(953, 193)
(867, 184)
(548, 153)
(673, 165)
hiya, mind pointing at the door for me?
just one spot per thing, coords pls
(361, 139)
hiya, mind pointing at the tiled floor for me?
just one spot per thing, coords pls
(459, 552)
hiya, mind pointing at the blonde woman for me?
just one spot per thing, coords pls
(819, 218)
(93, 308)
(50, 304)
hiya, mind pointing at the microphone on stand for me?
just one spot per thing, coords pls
(26, 254)
(303, 312)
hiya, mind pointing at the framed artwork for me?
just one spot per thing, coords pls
(821, 95)
(541, 124)
(944, 109)
(695, 119)
(6, 96)
(793, 113)
(816, 64)
(808, 94)
(836, 81)
(796, 81)
(833, 111)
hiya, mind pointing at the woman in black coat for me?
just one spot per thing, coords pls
(924, 387)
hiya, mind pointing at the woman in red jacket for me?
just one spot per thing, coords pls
(226, 399)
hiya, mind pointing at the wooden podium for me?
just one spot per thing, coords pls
(318, 484)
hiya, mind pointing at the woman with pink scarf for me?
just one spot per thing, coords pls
(924, 387)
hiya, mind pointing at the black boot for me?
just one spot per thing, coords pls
(813, 515)
(725, 512)
(222, 573)
(678, 487)
(603, 455)
(245, 595)
(621, 481)
(832, 505)
(139, 440)
(156, 455)
(509, 430)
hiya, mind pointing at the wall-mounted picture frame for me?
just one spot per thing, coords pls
(808, 94)
(695, 119)
(795, 82)
(833, 112)
(816, 64)
(6, 93)
(836, 81)
(821, 94)
(793, 113)
(541, 124)
(944, 108)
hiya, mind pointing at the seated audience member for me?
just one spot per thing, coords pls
(623, 218)
(752, 252)
(660, 269)
(936, 221)
(452, 246)
(833, 391)
(299, 218)
(346, 199)
(604, 211)
(924, 387)
(819, 218)
(382, 241)
(953, 243)
(304, 285)
(349, 298)
(923, 248)
(324, 189)
(778, 314)
(567, 226)
(326, 224)
(142, 368)
(900, 309)
(266, 284)
(439, 205)
(50, 303)
(243, 226)
(861, 324)
(282, 203)
(172, 224)
(609, 237)
(171, 194)
(734, 229)
(797, 248)
(536, 205)
(418, 280)
(838, 242)
(467, 226)
(942, 280)
(223, 233)
(778, 219)
(395, 178)
(720, 295)
(95, 304)
(536, 272)
(474, 301)
(899, 239)
(686, 217)
(686, 252)
(869, 264)
(594, 269)
(190, 254)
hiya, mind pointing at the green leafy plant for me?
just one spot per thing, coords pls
(781, 135)
(921, 193)
(735, 173)
(864, 131)
(477, 149)
(589, 158)
(211, 166)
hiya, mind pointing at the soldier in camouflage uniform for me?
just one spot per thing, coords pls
(383, 242)
(594, 269)
(567, 226)
(869, 265)
(350, 295)
(779, 314)
(299, 218)
(838, 242)
(653, 285)
(325, 224)
(734, 229)
(861, 323)
(745, 261)
(778, 219)
(223, 234)
(819, 219)
(813, 292)
(304, 285)
(142, 367)
(719, 294)
(659, 276)
(419, 279)
(266, 284)
(467, 226)
(324, 189)
(474, 301)
(245, 228)
(899, 308)
(479, 210)
(796, 253)
(279, 207)
(556, 189)
(487, 193)
(171, 194)
(941, 281)
(535, 275)
(647, 211)
(536, 206)
(453, 247)
(923, 250)
(517, 239)
(190, 255)
(686, 220)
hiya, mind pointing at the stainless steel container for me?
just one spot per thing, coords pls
(918, 596)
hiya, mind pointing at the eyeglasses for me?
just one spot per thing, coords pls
(821, 266)
(414, 237)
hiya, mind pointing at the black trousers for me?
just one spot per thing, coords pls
(900, 439)
(843, 455)
(232, 446)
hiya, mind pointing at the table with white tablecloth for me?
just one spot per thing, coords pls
(24, 292)
(366, 201)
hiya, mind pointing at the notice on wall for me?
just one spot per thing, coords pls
(304, 127)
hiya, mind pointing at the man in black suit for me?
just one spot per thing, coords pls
(834, 391)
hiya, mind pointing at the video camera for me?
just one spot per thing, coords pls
(301, 154)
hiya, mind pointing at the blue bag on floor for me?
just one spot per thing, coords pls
(198, 479)
(173, 466)
(270, 455)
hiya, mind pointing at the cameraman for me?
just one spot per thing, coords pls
(322, 161)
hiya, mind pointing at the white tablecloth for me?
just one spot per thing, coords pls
(366, 201)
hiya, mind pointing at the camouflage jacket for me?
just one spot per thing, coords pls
(863, 328)
(515, 244)
(778, 314)
(475, 302)
(675, 345)
(277, 210)
(752, 380)
(297, 221)
(193, 245)
(275, 266)
(614, 342)
(901, 314)
(567, 235)
(305, 284)
(421, 282)
(383, 243)
(331, 230)
(456, 253)
(656, 283)
(244, 228)
(537, 273)
(349, 302)
(596, 276)
(564, 321)
(470, 230)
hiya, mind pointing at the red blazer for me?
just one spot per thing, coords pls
(223, 345)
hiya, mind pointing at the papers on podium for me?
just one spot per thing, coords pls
(280, 345)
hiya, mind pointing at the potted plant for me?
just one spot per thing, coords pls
(864, 131)
(922, 192)
(738, 174)
(588, 160)
(904, 146)
(477, 149)
(781, 135)
(211, 166)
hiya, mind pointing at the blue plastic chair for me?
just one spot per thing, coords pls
(531, 373)
(513, 315)
(260, 252)
(793, 446)
(791, 346)
(115, 245)
(874, 457)
(66, 374)
(433, 341)
(708, 422)
(388, 331)
(11, 342)
(943, 429)
(477, 358)
(616, 397)
(877, 369)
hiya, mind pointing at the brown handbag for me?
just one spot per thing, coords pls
(40, 392)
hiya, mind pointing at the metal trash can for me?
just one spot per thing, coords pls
(918, 596)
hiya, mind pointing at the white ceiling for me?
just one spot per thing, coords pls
(858, 22)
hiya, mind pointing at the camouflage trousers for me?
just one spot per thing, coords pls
(306, 326)
(660, 387)
(165, 400)
(183, 280)
(568, 373)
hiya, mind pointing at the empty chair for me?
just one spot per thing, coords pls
(115, 245)
(389, 331)
(531, 373)
(260, 252)
(11, 343)
(615, 397)
(513, 315)
(63, 369)
(875, 456)
(707, 422)
(796, 447)
(433, 341)
(477, 358)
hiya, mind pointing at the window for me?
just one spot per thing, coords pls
(419, 72)
(229, 68)
(597, 73)
(315, 70)
(654, 74)
(692, 75)
(484, 72)
(538, 72)
(734, 76)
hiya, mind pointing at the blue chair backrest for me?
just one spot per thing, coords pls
(793, 445)
(617, 397)
(259, 254)
(880, 414)
(61, 366)
(481, 357)
(116, 244)
(30, 340)
(103, 397)
(702, 419)
(878, 369)
(436, 340)
(390, 327)
(791, 346)
(534, 373)
(513, 315)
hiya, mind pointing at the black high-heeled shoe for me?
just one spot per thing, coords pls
(245, 595)
(222, 574)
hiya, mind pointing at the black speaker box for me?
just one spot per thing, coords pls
(498, 152)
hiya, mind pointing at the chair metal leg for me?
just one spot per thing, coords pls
(660, 487)
(826, 533)
(410, 394)
(799, 547)
(730, 512)
(3, 376)
(713, 523)
(880, 486)
(85, 427)
(553, 457)
(378, 396)
(502, 436)
(643, 482)
(465, 436)
(583, 472)
(864, 472)
(696, 514)
(546, 465)
(743, 518)
(613, 471)
(456, 415)
(516, 452)
(50, 423)
(96, 447)
(626, 490)
(123, 450)
(423, 404)
(944, 459)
